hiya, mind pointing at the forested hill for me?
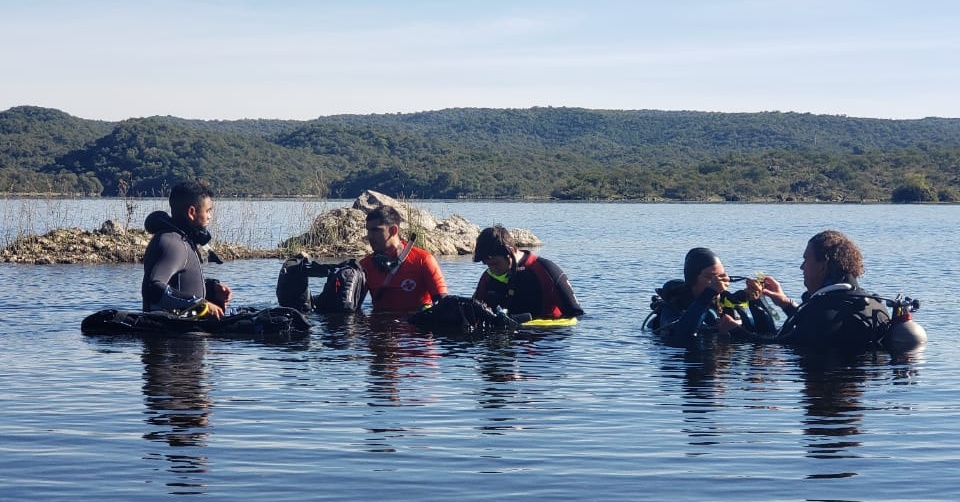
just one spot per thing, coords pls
(566, 153)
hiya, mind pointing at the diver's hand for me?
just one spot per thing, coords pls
(772, 289)
(726, 323)
(213, 310)
(221, 295)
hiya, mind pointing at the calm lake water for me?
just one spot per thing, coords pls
(370, 409)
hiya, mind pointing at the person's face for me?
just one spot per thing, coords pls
(202, 215)
(713, 274)
(814, 271)
(498, 265)
(379, 235)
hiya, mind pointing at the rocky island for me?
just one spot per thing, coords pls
(339, 233)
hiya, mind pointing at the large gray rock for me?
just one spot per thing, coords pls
(342, 231)
(413, 216)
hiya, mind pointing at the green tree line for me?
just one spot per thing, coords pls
(563, 153)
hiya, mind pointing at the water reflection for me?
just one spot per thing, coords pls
(832, 391)
(340, 331)
(499, 366)
(508, 363)
(499, 363)
(833, 388)
(398, 354)
(700, 367)
(398, 351)
(406, 367)
(178, 405)
(714, 376)
(904, 365)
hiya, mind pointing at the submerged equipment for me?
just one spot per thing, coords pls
(465, 314)
(248, 322)
(470, 315)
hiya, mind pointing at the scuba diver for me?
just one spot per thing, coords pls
(172, 269)
(835, 311)
(401, 277)
(521, 282)
(701, 304)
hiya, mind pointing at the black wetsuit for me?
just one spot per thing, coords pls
(536, 286)
(841, 315)
(686, 316)
(172, 271)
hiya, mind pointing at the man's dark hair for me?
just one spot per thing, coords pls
(493, 241)
(384, 215)
(186, 194)
(842, 255)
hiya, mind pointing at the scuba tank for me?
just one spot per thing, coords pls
(903, 332)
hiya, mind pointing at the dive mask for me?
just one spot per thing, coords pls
(384, 262)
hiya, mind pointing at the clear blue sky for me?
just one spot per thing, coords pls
(219, 59)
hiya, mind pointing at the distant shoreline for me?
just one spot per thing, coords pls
(39, 196)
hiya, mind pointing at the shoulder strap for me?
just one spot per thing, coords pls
(401, 257)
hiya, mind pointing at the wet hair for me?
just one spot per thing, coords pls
(493, 241)
(188, 193)
(696, 260)
(842, 255)
(384, 215)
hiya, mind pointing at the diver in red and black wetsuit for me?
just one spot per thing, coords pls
(520, 281)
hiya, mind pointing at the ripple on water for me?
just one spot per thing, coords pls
(367, 409)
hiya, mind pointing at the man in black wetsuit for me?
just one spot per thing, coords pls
(172, 269)
(836, 312)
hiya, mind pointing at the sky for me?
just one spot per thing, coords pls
(302, 59)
